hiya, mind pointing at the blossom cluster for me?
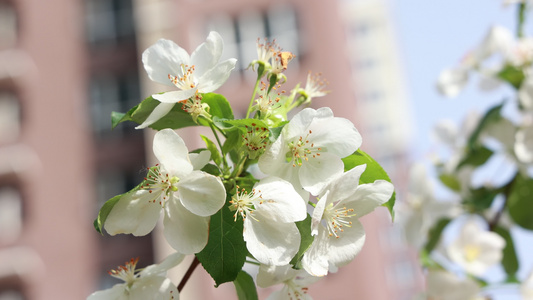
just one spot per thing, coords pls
(484, 172)
(297, 219)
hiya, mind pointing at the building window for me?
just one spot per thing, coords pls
(8, 25)
(10, 214)
(114, 182)
(110, 92)
(109, 21)
(10, 113)
(11, 294)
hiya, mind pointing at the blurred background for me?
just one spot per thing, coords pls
(65, 65)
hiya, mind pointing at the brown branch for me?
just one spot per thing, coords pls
(188, 274)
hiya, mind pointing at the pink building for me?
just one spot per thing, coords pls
(65, 65)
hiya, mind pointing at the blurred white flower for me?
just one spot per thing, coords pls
(295, 282)
(526, 288)
(476, 249)
(442, 285)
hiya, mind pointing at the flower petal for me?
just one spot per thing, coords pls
(168, 263)
(207, 54)
(344, 185)
(164, 58)
(134, 213)
(271, 243)
(117, 292)
(280, 202)
(159, 111)
(369, 196)
(174, 96)
(336, 135)
(199, 160)
(315, 260)
(215, 77)
(153, 288)
(315, 173)
(452, 81)
(183, 230)
(343, 249)
(201, 193)
(172, 153)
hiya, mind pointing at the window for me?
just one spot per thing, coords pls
(8, 25)
(9, 117)
(109, 21)
(109, 92)
(10, 214)
(11, 294)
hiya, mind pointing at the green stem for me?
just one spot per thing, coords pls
(253, 97)
(238, 168)
(212, 126)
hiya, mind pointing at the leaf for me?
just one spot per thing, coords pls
(520, 202)
(509, 260)
(475, 156)
(306, 240)
(513, 75)
(491, 116)
(118, 117)
(435, 233)
(450, 181)
(233, 141)
(244, 124)
(373, 172)
(225, 252)
(215, 154)
(218, 105)
(481, 198)
(276, 131)
(245, 287)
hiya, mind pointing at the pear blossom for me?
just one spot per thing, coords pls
(269, 212)
(526, 288)
(271, 60)
(523, 146)
(201, 72)
(314, 87)
(310, 148)
(149, 283)
(442, 285)
(339, 236)
(525, 94)
(187, 196)
(295, 282)
(476, 249)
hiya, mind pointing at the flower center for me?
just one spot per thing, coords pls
(255, 140)
(243, 203)
(185, 80)
(472, 252)
(196, 108)
(126, 272)
(337, 218)
(295, 291)
(301, 150)
(160, 183)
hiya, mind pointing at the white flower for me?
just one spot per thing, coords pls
(339, 236)
(476, 249)
(187, 197)
(442, 285)
(294, 282)
(526, 288)
(525, 94)
(149, 284)
(523, 147)
(169, 64)
(309, 149)
(269, 213)
(421, 210)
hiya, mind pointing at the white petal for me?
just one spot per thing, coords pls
(444, 285)
(174, 96)
(525, 94)
(183, 230)
(343, 186)
(343, 249)
(523, 146)
(280, 202)
(315, 260)
(199, 160)
(271, 275)
(273, 160)
(207, 54)
(159, 111)
(335, 135)
(315, 173)
(117, 292)
(164, 58)
(271, 243)
(452, 81)
(369, 196)
(134, 213)
(153, 288)
(300, 122)
(171, 151)
(168, 263)
(201, 193)
(318, 212)
(216, 76)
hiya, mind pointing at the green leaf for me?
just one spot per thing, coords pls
(244, 124)
(520, 202)
(435, 233)
(475, 156)
(218, 105)
(513, 75)
(225, 252)
(215, 154)
(245, 287)
(491, 116)
(481, 198)
(450, 181)
(233, 141)
(118, 117)
(509, 260)
(276, 131)
(373, 172)
(306, 240)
